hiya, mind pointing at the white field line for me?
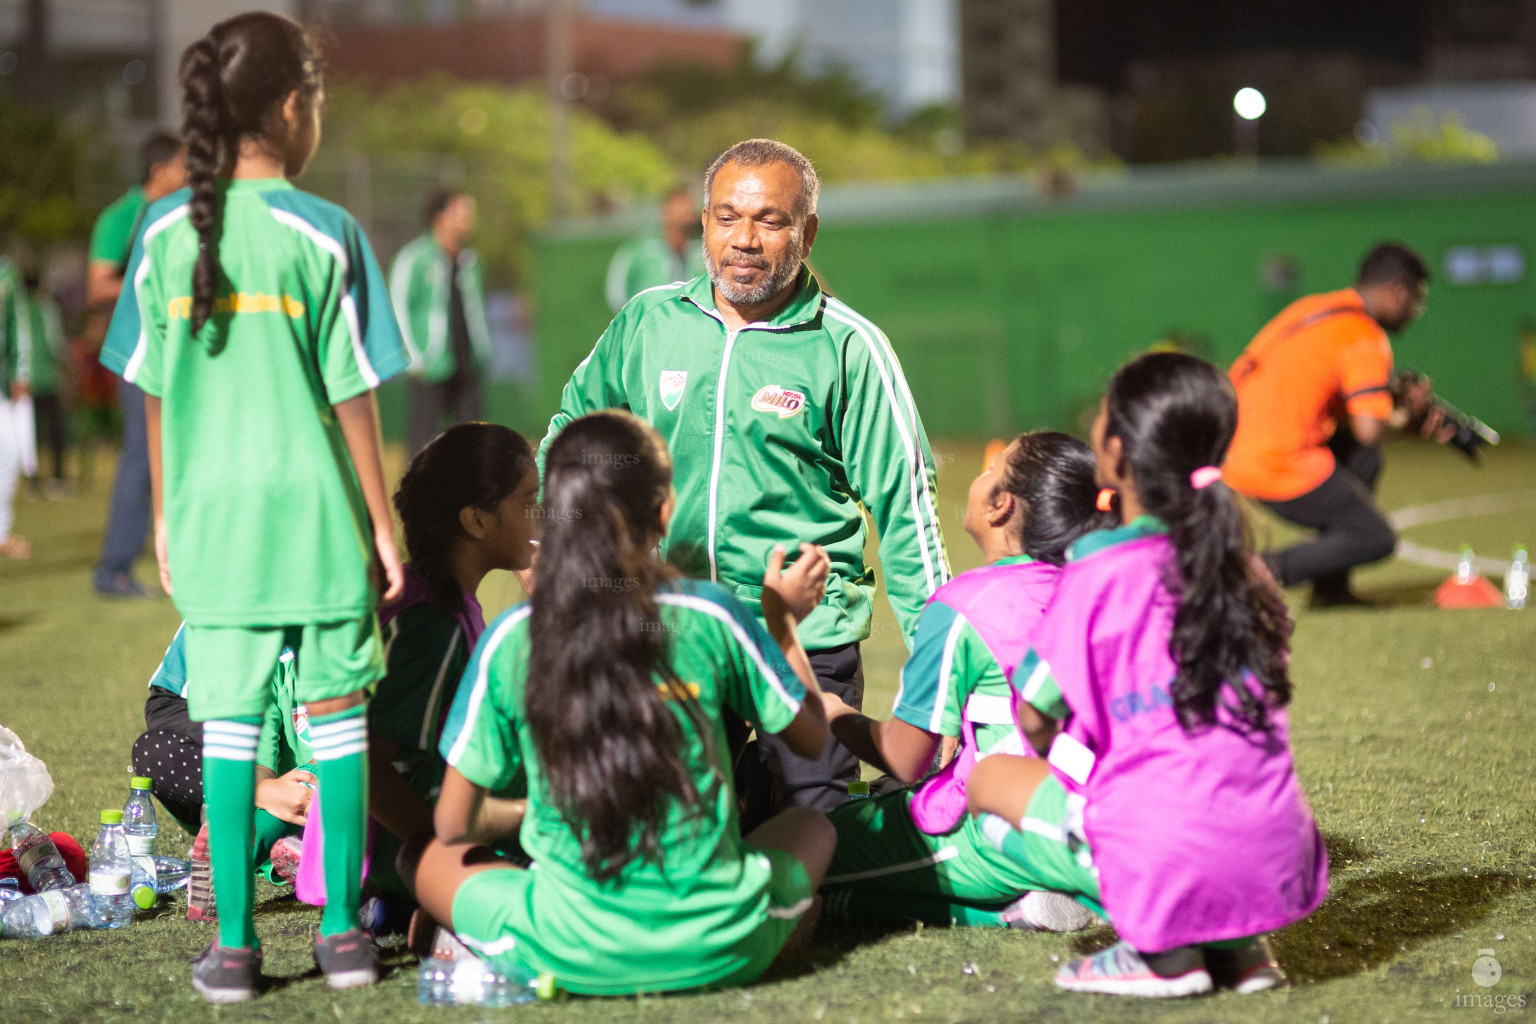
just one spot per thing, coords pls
(1456, 508)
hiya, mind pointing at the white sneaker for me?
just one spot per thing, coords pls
(1041, 911)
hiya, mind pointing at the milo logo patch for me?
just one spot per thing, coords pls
(778, 400)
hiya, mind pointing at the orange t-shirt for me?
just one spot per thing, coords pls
(1321, 358)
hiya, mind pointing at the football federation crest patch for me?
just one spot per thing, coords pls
(672, 382)
(778, 400)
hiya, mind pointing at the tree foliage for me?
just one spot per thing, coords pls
(39, 168)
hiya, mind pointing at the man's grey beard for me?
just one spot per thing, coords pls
(765, 289)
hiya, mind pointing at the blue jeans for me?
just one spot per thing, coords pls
(128, 521)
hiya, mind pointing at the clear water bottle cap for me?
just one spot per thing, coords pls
(140, 782)
(111, 817)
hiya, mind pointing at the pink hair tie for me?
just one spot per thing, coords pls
(1203, 477)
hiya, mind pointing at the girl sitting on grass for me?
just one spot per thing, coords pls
(469, 504)
(1156, 684)
(606, 692)
(914, 854)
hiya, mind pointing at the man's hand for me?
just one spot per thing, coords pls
(287, 797)
(798, 589)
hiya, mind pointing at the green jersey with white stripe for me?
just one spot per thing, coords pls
(950, 666)
(707, 892)
(265, 516)
(425, 656)
(786, 430)
(418, 285)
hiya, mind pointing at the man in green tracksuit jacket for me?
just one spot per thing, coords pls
(440, 304)
(788, 416)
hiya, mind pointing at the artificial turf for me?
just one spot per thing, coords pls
(1412, 727)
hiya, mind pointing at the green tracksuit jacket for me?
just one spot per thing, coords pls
(418, 289)
(779, 433)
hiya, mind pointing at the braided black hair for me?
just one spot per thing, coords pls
(234, 81)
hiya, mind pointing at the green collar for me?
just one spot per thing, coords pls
(254, 184)
(1014, 560)
(801, 308)
(1099, 540)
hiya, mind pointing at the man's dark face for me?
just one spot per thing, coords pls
(753, 242)
(1407, 305)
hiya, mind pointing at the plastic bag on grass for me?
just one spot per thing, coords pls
(25, 784)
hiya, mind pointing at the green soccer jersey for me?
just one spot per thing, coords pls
(951, 667)
(646, 262)
(38, 316)
(14, 346)
(266, 520)
(785, 430)
(418, 285)
(113, 234)
(425, 657)
(678, 922)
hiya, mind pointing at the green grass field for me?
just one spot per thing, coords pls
(1413, 730)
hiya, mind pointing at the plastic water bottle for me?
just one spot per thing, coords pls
(57, 910)
(858, 790)
(1464, 565)
(10, 889)
(39, 858)
(112, 871)
(171, 873)
(1517, 581)
(471, 981)
(139, 823)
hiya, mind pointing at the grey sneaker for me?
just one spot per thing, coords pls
(348, 960)
(1121, 971)
(1250, 969)
(223, 975)
(1039, 911)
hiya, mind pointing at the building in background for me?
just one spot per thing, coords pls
(94, 56)
(904, 51)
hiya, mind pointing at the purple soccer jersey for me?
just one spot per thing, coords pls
(1197, 837)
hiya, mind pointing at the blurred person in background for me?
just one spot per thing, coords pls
(1315, 401)
(439, 300)
(651, 260)
(13, 385)
(162, 165)
(45, 329)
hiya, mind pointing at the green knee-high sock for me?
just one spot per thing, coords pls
(229, 789)
(885, 907)
(340, 743)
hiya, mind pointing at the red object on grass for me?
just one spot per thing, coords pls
(1477, 592)
(74, 859)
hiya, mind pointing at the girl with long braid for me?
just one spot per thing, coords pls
(607, 694)
(258, 326)
(1156, 686)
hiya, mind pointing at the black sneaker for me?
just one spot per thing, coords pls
(223, 975)
(348, 960)
(1252, 968)
(120, 585)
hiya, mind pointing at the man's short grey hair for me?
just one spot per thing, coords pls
(760, 153)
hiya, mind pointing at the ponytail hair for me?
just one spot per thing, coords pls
(1175, 414)
(1050, 475)
(601, 689)
(233, 83)
(472, 464)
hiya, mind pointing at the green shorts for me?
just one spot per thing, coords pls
(493, 909)
(231, 666)
(879, 847)
(1055, 851)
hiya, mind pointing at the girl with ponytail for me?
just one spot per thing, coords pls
(606, 695)
(468, 503)
(914, 854)
(258, 326)
(1156, 686)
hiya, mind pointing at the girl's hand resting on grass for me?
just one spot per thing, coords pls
(798, 589)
